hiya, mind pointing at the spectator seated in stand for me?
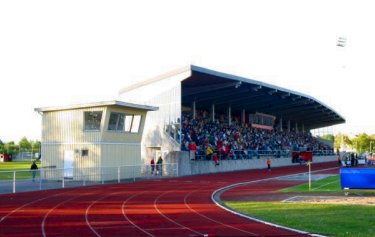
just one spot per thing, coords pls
(203, 137)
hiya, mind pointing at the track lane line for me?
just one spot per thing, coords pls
(210, 219)
(127, 218)
(223, 189)
(132, 189)
(52, 209)
(169, 219)
(88, 222)
(86, 215)
(32, 202)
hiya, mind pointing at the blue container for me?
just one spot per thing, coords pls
(357, 178)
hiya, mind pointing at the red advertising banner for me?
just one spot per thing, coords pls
(303, 156)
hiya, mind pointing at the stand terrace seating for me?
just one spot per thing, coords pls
(243, 142)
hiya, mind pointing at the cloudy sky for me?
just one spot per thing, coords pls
(63, 52)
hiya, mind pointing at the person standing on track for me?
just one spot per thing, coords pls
(269, 162)
(339, 160)
(152, 163)
(33, 169)
(159, 166)
(215, 158)
(193, 150)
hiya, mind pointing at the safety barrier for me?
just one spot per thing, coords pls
(52, 178)
(250, 154)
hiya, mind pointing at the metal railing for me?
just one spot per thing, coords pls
(53, 178)
(241, 154)
(251, 154)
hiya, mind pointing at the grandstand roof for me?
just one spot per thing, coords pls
(98, 104)
(208, 87)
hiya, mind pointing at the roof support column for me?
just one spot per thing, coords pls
(243, 117)
(194, 112)
(303, 128)
(213, 112)
(229, 115)
(296, 129)
(281, 124)
(288, 125)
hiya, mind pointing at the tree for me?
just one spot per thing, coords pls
(24, 144)
(11, 148)
(362, 142)
(347, 140)
(342, 140)
(1, 147)
(329, 137)
(35, 146)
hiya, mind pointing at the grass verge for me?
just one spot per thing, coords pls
(22, 168)
(330, 185)
(326, 219)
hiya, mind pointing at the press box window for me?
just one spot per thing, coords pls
(128, 122)
(124, 122)
(93, 120)
(116, 122)
(84, 152)
(136, 123)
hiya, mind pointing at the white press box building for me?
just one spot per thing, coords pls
(102, 134)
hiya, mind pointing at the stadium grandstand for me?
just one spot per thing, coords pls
(205, 113)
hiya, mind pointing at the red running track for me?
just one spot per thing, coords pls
(167, 207)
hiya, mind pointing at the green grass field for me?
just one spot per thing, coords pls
(327, 219)
(22, 168)
(330, 185)
(327, 185)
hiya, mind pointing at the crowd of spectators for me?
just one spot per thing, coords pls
(206, 139)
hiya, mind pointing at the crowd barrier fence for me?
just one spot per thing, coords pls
(52, 178)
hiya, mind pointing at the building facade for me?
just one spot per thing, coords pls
(103, 134)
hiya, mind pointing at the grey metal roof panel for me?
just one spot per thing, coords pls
(154, 79)
(98, 104)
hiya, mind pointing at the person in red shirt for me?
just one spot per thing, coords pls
(215, 158)
(193, 150)
(269, 162)
(152, 163)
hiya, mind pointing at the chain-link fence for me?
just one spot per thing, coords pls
(52, 178)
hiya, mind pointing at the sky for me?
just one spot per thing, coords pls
(56, 53)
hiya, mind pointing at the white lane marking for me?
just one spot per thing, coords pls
(323, 185)
(88, 223)
(19, 208)
(29, 203)
(122, 210)
(170, 228)
(42, 226)
(158, 210)
(127, 218)
(290, 199)
(87, 215)
(255, 219)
